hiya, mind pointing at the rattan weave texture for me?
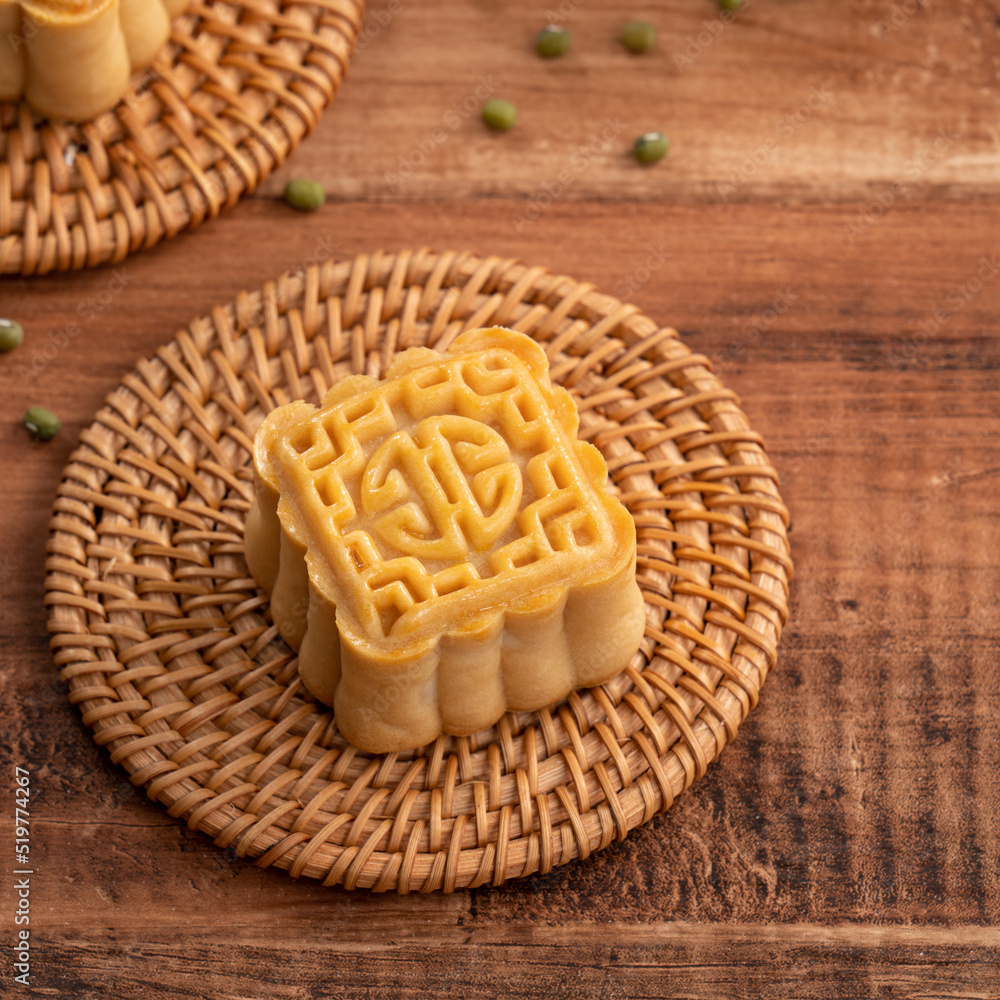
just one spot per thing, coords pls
(226, 101)
(170, 655)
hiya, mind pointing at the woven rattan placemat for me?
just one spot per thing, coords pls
(227, 99)
(170, 655)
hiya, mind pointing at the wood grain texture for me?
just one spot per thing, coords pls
(847, 843)
(786, 101)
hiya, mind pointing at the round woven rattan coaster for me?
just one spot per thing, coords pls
(170, 654)
(226, 101)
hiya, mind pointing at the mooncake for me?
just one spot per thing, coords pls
(73, 58)
(439, 547)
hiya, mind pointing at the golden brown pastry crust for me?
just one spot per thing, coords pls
(439, 546)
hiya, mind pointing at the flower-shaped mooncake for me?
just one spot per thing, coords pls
(439, 547)
(72, 58)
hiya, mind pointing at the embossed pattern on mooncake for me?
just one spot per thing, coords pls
(439, 547)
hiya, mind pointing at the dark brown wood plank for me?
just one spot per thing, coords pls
(635, 961)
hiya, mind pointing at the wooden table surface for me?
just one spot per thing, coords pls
(827, 229)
